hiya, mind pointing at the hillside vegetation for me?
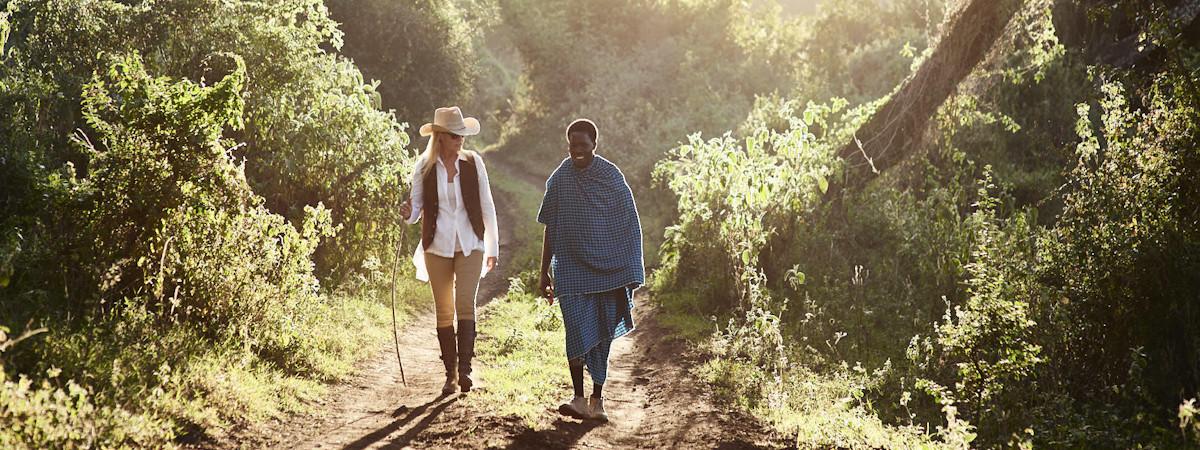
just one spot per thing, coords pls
(884, 223)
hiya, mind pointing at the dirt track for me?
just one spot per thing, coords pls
(652, 401)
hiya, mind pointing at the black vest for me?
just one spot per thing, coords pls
(469, 177)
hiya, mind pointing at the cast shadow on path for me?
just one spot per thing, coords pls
(439, 404)
(561, 434)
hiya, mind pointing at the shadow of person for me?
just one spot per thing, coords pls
(438, 404)
(562, 434)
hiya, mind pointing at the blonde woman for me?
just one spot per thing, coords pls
(452, 197)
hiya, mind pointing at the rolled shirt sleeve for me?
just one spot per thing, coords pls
(491, 230)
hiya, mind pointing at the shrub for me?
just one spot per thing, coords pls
(55, 413)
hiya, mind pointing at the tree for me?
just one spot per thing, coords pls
(893, 130)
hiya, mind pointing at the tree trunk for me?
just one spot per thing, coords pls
(892, 132)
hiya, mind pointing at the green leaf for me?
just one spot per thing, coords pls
(5, 28)
(822, 184)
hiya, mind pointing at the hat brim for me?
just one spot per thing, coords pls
(470, 128)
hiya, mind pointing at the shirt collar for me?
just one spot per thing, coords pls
(461, 157)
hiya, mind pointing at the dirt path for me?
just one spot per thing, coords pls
(652, 400)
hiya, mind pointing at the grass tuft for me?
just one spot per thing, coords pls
(523, 360)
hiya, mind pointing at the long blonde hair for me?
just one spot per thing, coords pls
(433, 151)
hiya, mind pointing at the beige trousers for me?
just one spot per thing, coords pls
(454, 282)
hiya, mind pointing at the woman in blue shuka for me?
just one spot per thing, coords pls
(591, 261)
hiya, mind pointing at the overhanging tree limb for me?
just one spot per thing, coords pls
(1135, 47)
(892, 132)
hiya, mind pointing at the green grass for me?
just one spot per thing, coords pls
(522, 357)
(232, 386)
(821, 410)
(679, 314)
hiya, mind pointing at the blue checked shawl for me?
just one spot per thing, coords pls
(591, 322)
(594, 229)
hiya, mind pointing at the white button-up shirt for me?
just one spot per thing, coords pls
(454, 231)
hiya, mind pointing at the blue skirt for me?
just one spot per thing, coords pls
(592, 319)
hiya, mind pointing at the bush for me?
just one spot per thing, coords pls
(170, 217)
(422, 53)
(311, 130)
(649, 73)
(183, 235)
(62, 414)
(1043, 304)
(989, 339)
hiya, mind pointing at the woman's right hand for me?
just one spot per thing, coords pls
(546, 287)
(406, 209)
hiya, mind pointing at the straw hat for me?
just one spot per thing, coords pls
(450, 120)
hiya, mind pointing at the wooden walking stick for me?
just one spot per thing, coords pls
(395, 330)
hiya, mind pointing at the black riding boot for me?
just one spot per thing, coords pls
(449, 357)
(466, 351)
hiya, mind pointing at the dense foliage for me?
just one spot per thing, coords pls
(198, 197)
(422, 52)
(1028, 277)
(647, 72)
(197, 203)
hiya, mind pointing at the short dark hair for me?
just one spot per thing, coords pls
(584, 126)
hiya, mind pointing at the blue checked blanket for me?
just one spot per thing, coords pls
(592, 322)
(594, 230)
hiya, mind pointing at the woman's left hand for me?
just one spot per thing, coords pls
(491, 263)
